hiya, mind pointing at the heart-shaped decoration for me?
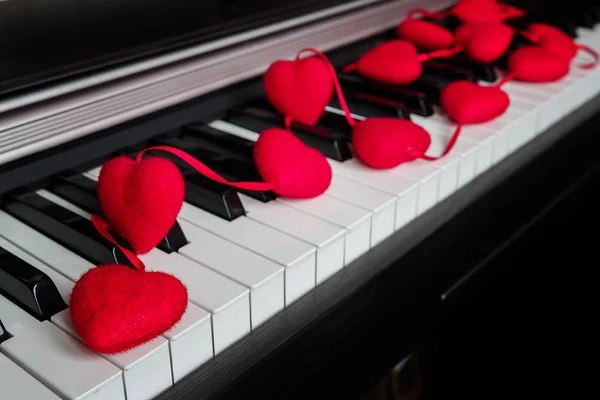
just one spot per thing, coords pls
(536, 64)
(300, 89)
(554, 40)
(478, 11)
(384, 143)
(468, 103)
(115, 308)
(392, 62)
(483, 42)
(295, 169)
(141, 200)
(425, 35)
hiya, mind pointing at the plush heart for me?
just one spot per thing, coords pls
(295, 169)
(140, 200)
(478, 11)
(468, 103)
(483, 42)
(300, 89)
(392, 62)
(115, 308)
(388, 142)
(536, 64)
(425, 35)
(554, 40)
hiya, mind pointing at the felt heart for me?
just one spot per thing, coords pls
(425, 35)
(140, 200)
(115, 308)
(554, 40)
(392, 62)
(388, 142)
(300, 89)
(295, 169)
(483, 42)
(536, 64)
(478, 11)
(468, 103)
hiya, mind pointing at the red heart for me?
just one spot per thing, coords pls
(554, 40)
(478, 11)
(468, 103)
(141, 200)
(484, 42)
(392, 62)
(388, 142)
(295, 169)
(536, 64)
(425, 35)
(300, 89)
(115, 308)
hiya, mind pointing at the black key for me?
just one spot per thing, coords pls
(439, 71)
(330, 135)
(66, 228)
(483, 72)
(29, 288)
(367, 107)
(234, 163)
(81, 191)
(4, 334)
(416, 101)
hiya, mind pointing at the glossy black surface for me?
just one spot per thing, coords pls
(416, 101)
(371, 106)
(4, 334)
(44, 41)
(81, 191)
(330, 135)
(66, 228)
(28, 287)
(227, 155)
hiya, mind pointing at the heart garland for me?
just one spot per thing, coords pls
(484, 40)
(115, 308)
(387, 142)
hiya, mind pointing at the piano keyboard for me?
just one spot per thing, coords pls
(248, 255)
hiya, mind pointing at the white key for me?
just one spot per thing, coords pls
(382, 205)
(190, 340)
(328, 238)
(15, 383)
(404, 188)
(263, 277)
(298, 257)
(228, 301)
(54, 358)
(146, 368)
(440, 133)
(354, 170)
(354, 220)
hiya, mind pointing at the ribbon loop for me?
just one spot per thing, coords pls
(338, 88)
(449, 146)
(103, 228)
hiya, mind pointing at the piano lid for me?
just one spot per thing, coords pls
(42, 42)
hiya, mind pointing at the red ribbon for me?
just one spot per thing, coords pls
(103, 228)
(209, 173)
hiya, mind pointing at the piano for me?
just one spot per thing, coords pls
(287, 298)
